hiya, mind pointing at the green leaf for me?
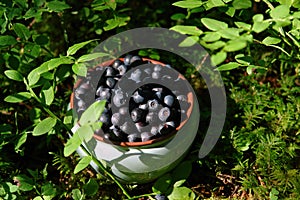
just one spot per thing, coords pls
(242, 4)
(86, 132)
(19, 97)
(34, 75)
(228, 66)
(91, 56)
(22, 31)
(163, 184)
(116, 22)
(76, 194)
(72, 144)
(48, 190)
(189, 30)
(91, 187)
(260, 26)
(242, 59)
(178, 16)
(14, 75)
(57, 6)
(258, 18)
(213, 24)
(180, 193)
(215, 45)
(7, 40)
(31, 51)
(211, 37)
(189, 41)
(73, 49)
(41, 39)
(26, 183)
(47, 93)
(243, 25)
(44, 126)
(280, 12)
(235, 45)
(53, 63)
(92, 113)
(218, 58)
(83, 163)
(80, 69)
(188, 4)
(229, 33)
(21, 141)
(271, 40)
(214, 3)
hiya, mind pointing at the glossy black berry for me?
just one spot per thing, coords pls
(145, 136)
(110, 82)
(127, 59)
(169, 100)
(122, 69)
(133, 137)
(137, 98)
(164, 114)
(104, 118)
(116, 119)
(116, 64)
(153, 105)
(110, 72)
(137, 114)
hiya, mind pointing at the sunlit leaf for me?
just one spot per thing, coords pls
(44, 126)
(73, 49)
(19, 97)
(14, 75)
(83, 163)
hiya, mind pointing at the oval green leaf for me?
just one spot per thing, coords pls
(91, 56)
(19, 97)
(213, 24)
(72, 144)
(79, 69)
(218, 58)
(73, 49)
(235, 45)
(271, 40)
(228, 66)
(44, 126)
(188, 4)
(83, 163)
(14, 75)
(188, 30)
(7, 40)
(22, 31)
(242, 4)
(92, 113)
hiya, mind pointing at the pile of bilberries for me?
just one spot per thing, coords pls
(150, 111)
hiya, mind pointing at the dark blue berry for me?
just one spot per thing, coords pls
(169, 100)
(116, 64)
(164, 114)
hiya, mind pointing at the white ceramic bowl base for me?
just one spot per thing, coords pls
(142, 164)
